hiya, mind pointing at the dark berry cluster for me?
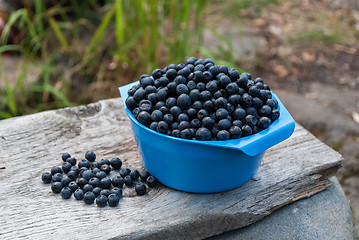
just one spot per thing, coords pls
(203, 101)
(91, 181)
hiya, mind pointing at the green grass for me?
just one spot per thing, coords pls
(318, 36)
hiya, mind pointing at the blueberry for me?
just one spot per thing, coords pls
(66, 193)
(207, 76)
(171, 66)
(153, 125)
(184, 72)
(150, 89)
(143, 76)
(56, 187)
(171, 74)
(271, 103)
(191, 60)
(257, 103)
(170, 102)
(139, 94)
(224, 124)
(202, 114)
(105, 192)
(201, 86)
(180, 66)
(175, 111)
(168, 118)
(195, 95)
(197, 105)
(134, 174)
(65, 156)
(57, 177)
(105, 183)
(203, 134)
(81, 182)
(208, 60)
(182, 89)
(113, 200)
(157, 73)
(217, 94)
(232, 88)
(89, 197)
(206, 95)
(55, 170)
(235, 132)
(264, 123)
(101, 201)
(131, 103)
(76, 169)
(152, 181)
(208, 105)
(96, 170)
(162, 127)
(264, 95)
(198, 76)
(144, 174)
(186, 134)
(174, 126)
(223, 135)
(180, 80)
(117, 181)
(191, 85)
(46, 177)
(95, 182)
(246, 130)
(224, 81)
(73, 186)
(254, 91)
(221, 113)
(176, 133)
(162, 93)
(140, 189)
(220, 102)
(100, 175)
(96, 191)
(199, 67)
(66, 166)
(182, 117)
(104, 161)
(65, 180)
(128, 181)
(208, 122)
(207, 66)
(105, 168)
(124, 172)
(84, 163)
(252, 111)
(233, 74)
(247, 75)
(212, 86)
(237, 123)
(274, 115)
(230, 108)
(79, 194)
(116, 163)
(117, 191)
(242, 82)
(131, 91)
(222, 69)
(247, 100)
(87, 188)
(195, 123)
(159, 104)
(258, 80)
(250, 120)
(213, 70)
(88, 174)
(135, 112)
(144, 118)
(265, 111)
(145, 105)
(152, 97)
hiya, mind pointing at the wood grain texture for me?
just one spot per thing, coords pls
(30, 145)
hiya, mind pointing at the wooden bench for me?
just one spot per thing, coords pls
(30, 145)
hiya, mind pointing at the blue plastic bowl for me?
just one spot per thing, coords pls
(206, 166)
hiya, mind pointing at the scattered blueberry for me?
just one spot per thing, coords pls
(56, 187)
(65, 156)
(89, 197)
(152, 181)
(128, 181)
(71, 160)
(105, 168)
(66, 193)
(117, 181)
(55, 170)
(113, 200)
(84, 163)
(124, 172)
(73, 186)
(46, 177)
(79, 194)
(101, 201)
(91, 156)
(57, 177)
(140, 188)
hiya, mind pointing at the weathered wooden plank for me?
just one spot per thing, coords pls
(30, 145)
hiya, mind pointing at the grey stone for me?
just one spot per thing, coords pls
(325, 215)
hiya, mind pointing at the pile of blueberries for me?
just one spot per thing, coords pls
(202, 101)
(90, 181)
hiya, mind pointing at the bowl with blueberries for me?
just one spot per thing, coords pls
(202, 127)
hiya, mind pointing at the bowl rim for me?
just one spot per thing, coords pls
(278, 131)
